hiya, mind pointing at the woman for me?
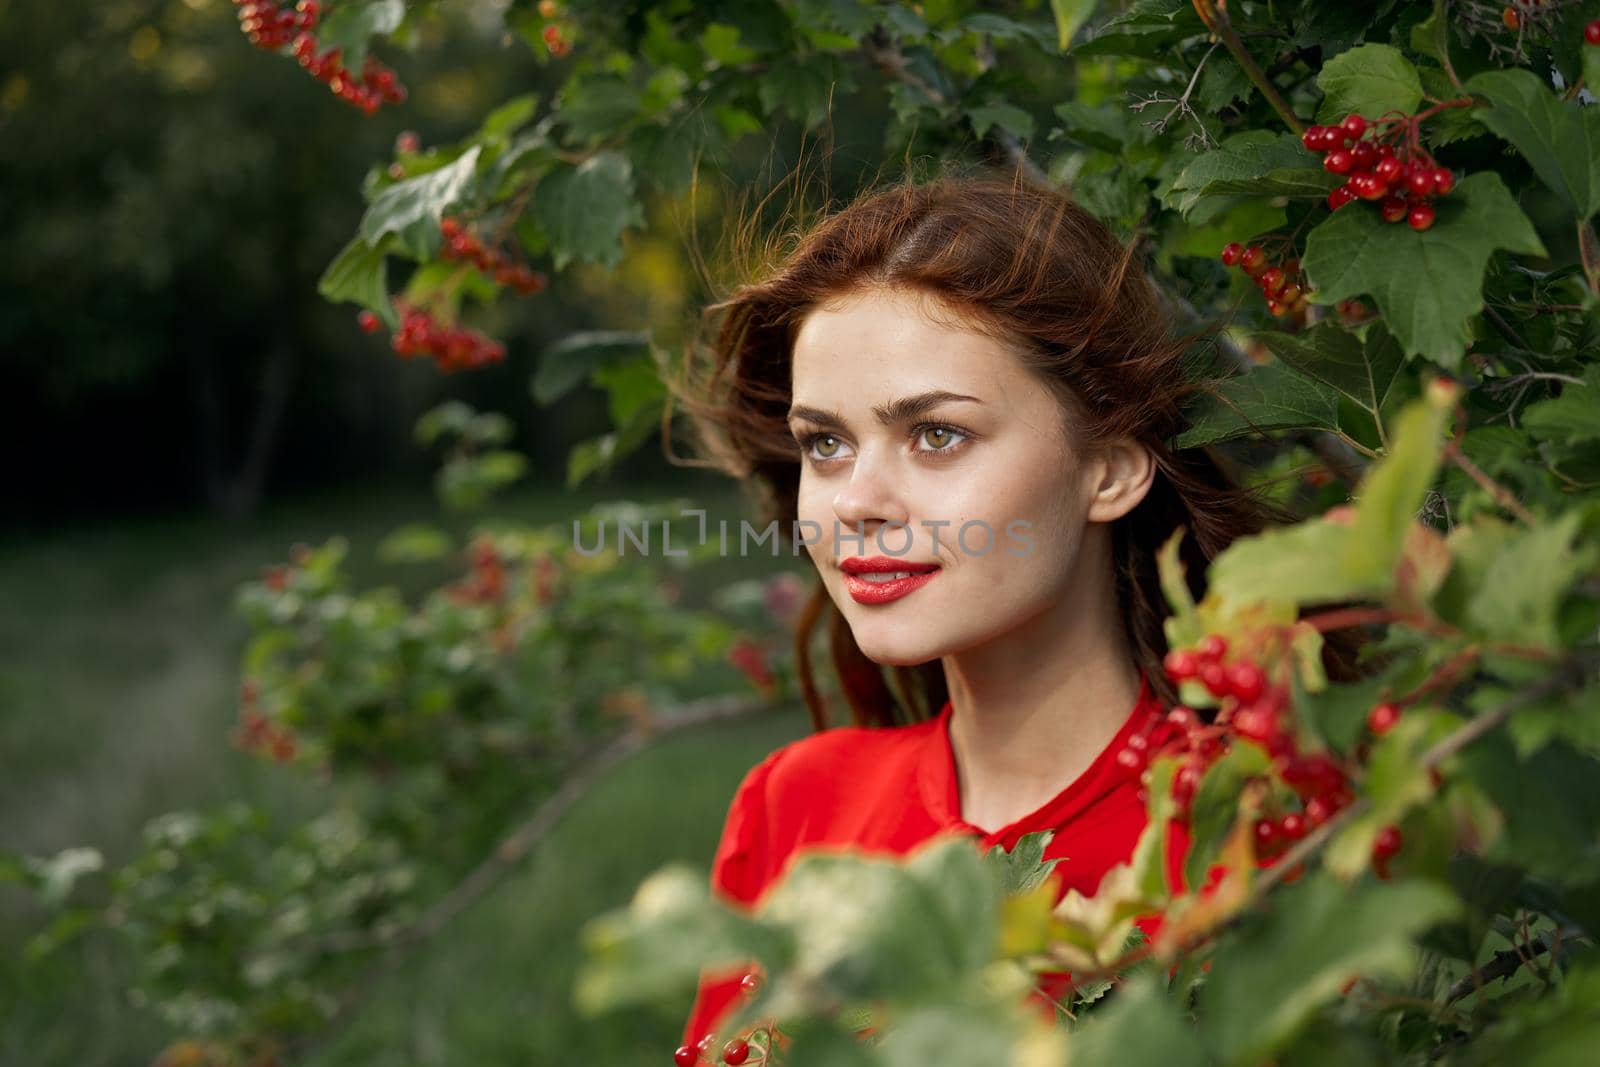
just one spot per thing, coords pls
(962, 391)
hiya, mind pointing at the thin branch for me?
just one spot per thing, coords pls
(1215, 15)
(592, 766)
(1506, 963)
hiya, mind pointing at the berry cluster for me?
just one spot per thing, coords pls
(271, 28)
(558, 45)
(1253, 710)
(1284, 286)
(452, 347)
(1384, 161)
(256, 732)
(735, 1052)
(487, 584)
(462, 244)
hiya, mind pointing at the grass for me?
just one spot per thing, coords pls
(118, 670)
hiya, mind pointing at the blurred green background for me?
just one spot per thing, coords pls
(182, 407)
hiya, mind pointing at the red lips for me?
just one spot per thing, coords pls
(884, 565)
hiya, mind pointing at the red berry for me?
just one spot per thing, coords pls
(369, 322)
(1312, 138)
(1340, 197)
(1183, 717)
(705, 1044)
(1332, 137)
(1181, 664)
(1266, 833)
(1393, 209)
(1292, 827)
(1387, 843)
(686, 1056)
(1353, 125)
(1421, 217)
(1444, 180)
(1510, 17)
(1289, 294)
(750, 982)
(1420, 183)
(1591, 31)
(1246, 681)
(1339, 161)
(1367, 185)
(1364, 155)
(736, 1051)
(1271, 280)
(1254, 260)
(1382, 717)
(1231, 253)
(1387, 169)
(1255, 722)
(1214, 676)
(1212, 647)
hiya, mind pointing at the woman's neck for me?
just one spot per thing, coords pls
(1032, 709)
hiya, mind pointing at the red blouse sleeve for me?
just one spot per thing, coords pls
(740, 871)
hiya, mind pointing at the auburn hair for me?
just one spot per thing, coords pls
(1021, 262)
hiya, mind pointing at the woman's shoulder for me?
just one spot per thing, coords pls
(833, 756)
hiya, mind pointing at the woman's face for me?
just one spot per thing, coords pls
(940, 441)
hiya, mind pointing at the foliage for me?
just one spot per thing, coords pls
(1400, 869)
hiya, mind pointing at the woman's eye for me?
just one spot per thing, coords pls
(942, 442)
(813, 442)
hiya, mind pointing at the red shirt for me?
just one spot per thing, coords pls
(888, 789)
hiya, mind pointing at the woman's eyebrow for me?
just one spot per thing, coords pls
(907, 407)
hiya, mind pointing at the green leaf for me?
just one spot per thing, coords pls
(1371, 81)
(1561, 139)
(412, 208)
(1269, 397)
(597, 105)
(1317, 935)
(569, 361)
(871, 926)
(1216, 805)
(959, 1031)
(359, 273)
(804, 88)
(1574, 416)
(1391, 493)
(1427, 284)
(1070, 17)
(506, 119)
(721, 43)
(585, 209)
(1298, 564)
(1141, 1025)
(415, 543)
(659, 943)
(350, 25)
(1023, 868)
(1521, 592)
(1362, 370)
(631, 387)
(1253, 163)
(1006, 116)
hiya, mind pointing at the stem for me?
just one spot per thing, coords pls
(1214, 14)
(1589, 254)
(1500, 493)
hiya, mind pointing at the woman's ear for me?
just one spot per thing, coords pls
(1125, 470)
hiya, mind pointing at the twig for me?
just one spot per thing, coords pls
(1214, 14)
(1505, 963)
(1180, 104)
(593, 766)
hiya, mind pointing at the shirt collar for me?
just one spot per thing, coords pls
(939, 786)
